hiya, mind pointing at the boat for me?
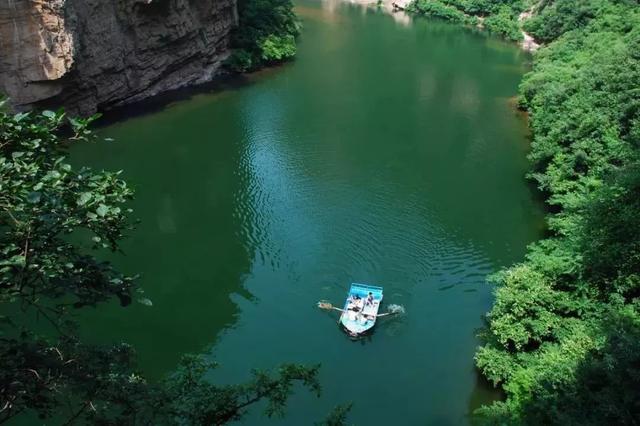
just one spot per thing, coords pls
(361, 309)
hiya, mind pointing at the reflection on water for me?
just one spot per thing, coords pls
(331, 11)
(384, 154)
(187, 246)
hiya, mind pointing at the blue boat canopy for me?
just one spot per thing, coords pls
(363, 290)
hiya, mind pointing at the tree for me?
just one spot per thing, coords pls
(266, 34)
(562, 337)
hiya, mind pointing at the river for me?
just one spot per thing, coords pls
(389, 152)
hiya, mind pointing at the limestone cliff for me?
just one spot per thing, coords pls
(87, 55)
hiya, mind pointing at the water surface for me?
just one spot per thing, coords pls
(387, 153)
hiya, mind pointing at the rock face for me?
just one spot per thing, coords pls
(89, 55)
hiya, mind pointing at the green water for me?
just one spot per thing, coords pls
(387, 153)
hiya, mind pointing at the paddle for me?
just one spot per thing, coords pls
(328, 306)
(394, 309)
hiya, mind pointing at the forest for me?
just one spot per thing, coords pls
(563, 335)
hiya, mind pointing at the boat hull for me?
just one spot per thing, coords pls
(359, 316)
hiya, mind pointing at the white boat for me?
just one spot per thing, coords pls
(361, 308)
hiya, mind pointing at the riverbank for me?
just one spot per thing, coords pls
(563, 337)
(528, 42)
(502, 20)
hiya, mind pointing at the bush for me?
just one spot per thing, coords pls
(505, 23)
(436, 9)
(266, 34)
(501, 15)
(277, 48)
(561, 16)
(563, 333)
(240, 61)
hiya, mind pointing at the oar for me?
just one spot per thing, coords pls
(328, 306)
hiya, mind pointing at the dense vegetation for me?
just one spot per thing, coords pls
(54, 219)
(563, 338)
(266, 34)
(497, 16)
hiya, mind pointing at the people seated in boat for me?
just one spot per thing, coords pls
(369, 300)
(355, 303)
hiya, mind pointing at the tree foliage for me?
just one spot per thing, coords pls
(54, 220)
(562, 338)
(498, 16)
(266, 34)
(556, 18)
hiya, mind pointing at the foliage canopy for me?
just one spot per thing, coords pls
(266, 34)
(562, 338)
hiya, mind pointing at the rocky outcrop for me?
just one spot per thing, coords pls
(528, 42)
(89, 55)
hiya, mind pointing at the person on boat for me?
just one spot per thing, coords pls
(354, 304)
(369, 299)
(357, 302)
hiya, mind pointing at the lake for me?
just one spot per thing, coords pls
(390, 153)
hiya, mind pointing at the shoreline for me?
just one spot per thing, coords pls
(528, 44)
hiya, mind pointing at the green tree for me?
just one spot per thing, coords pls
(266, 34)
(497, 16)
(562, 337)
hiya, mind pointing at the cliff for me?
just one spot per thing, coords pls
(89, 55)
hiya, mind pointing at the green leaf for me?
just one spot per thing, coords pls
(17, 260)
(53, 174)
(20, 116)
(102, 210)
(84, 198)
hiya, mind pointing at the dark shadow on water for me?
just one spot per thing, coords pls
(484, 393)
(158, 103)
(187, 247)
